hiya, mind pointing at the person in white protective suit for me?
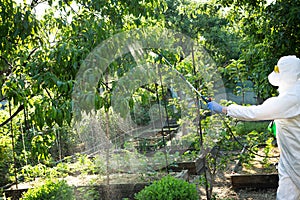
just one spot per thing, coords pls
(284, 109)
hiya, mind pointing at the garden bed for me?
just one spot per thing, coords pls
(258, 181)
(114, 186)
(194, 167)
(259, 173)
(251, 186)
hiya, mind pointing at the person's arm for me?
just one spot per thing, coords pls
(272, 108)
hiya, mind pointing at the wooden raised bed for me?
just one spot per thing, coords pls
(114, 191)
(257, 181)
(195, 167)
(105, 192)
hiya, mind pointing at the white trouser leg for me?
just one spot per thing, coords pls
(287, 190)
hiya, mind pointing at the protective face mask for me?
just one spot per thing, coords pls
(275, 79)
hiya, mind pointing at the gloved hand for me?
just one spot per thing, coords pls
(214, 107)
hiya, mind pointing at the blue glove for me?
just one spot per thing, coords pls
(214, 107)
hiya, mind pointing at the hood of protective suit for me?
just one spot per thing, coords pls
(288, 75)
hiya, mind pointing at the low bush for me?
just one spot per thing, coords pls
(54, 190)
(168, 188)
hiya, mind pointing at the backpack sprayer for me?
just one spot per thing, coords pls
(272, 128)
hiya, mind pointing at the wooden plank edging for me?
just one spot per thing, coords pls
(257, 181)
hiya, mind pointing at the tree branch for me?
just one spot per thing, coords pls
(21, 107)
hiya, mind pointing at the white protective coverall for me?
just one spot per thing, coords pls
(285, 110)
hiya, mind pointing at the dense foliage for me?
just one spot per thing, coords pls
(169, 188)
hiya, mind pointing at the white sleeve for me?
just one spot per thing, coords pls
(280, 107)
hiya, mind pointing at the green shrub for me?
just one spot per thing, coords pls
(6, 159)
(54, 190)
(168, 188)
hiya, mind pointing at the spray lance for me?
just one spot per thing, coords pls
(206, 100)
